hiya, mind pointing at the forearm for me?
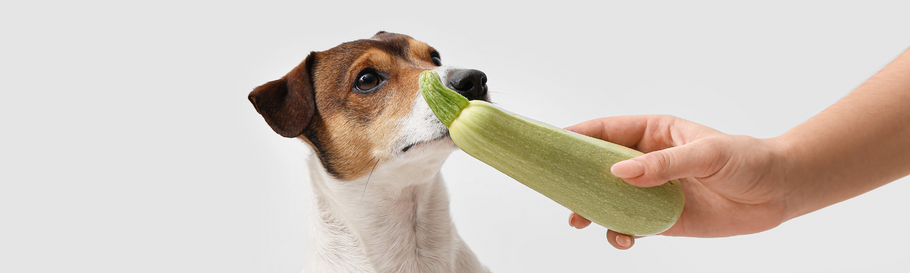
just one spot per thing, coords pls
(858, 144)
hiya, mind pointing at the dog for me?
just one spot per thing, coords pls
(379, 203)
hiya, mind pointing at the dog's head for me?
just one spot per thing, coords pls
(359, 103)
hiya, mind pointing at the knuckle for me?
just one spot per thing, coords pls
(659, 164)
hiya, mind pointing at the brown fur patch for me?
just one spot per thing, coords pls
(351, 131)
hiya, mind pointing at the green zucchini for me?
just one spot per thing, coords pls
(569, 168)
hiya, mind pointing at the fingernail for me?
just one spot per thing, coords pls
(623, 241)
(628, 169)
(571, 218)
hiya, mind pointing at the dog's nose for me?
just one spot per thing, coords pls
(470, 83)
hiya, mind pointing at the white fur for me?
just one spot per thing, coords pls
(396, 219)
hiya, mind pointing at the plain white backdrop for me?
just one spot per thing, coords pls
(128, 144)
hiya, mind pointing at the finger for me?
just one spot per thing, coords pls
(623, 130)
(700, 158)
(620, 241)
(577, 221)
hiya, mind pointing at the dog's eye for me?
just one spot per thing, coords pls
(436, 59)
(367, 80)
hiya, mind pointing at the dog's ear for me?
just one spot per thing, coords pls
(288, 104)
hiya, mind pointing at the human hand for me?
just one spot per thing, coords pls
(732, 183)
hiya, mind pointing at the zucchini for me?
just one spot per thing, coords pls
(569, 168)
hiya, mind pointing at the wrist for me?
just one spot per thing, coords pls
(804, 176)
(784, 175)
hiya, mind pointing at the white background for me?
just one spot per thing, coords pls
(128, 144)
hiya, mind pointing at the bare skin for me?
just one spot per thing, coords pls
(738, 185)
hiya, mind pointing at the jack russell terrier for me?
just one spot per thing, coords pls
(379, 202)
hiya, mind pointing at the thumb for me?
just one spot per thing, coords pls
(697, 159)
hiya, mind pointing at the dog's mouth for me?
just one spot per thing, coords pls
(412, 145)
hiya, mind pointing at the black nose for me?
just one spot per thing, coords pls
(470, 83)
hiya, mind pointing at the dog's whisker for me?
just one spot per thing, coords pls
(368, 177)
(367, 164)
(310, 156)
